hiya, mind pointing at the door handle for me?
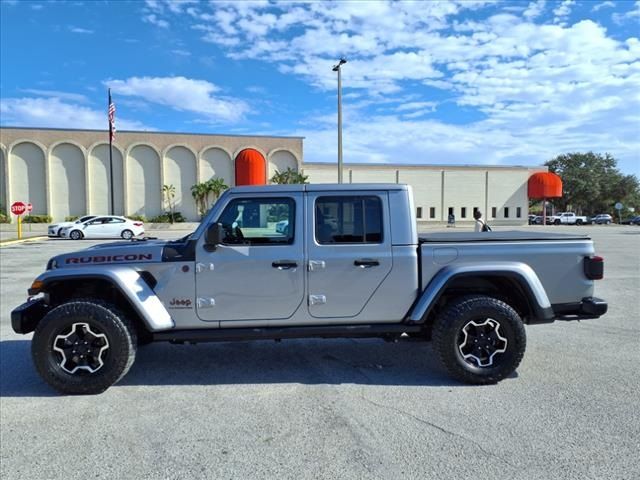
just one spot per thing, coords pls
(366, 263)
(284, 264)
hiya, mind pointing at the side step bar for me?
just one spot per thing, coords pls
(278, 333)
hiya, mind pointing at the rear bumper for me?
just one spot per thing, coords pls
(590, 307)
(25, 317)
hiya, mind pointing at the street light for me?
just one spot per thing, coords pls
(336, 68)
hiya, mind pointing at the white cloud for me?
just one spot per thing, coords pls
(541, 85)
(181, 53)
(630, 15)
(65, 96)
(183, 94)
(563, 10)
(153, 19)
(80, 30)
(56, 113)
(602, 5)
(534, 9)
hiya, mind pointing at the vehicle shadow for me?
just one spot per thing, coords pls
(342, 361)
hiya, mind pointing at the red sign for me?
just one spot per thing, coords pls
(18, 208)
(29, 207)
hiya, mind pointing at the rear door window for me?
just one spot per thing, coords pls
(348, 219)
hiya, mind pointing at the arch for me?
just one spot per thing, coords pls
(249, 147)
(544, 185)
(180, 171)
(67, 180)
(70, 142)
(100, 179)
(27, 175)
(281, 159)
(251, 168)
(144, 186)
(3, 179)
(216, 162)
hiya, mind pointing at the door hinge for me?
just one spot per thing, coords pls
(206, 302)
(316, 265)
(317, 299)
(202, 267)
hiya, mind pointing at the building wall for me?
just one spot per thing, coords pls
(66, 172)
(438, 188)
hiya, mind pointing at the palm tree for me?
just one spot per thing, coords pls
(289, 176)
(169, 193)
(199, 194)
(216, 186)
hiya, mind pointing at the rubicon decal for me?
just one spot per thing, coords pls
(131, 257)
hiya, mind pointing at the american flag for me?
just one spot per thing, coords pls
(112, 119)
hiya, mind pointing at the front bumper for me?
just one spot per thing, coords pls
(25, 317)
(590, 307)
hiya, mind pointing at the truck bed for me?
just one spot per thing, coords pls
(503, 236)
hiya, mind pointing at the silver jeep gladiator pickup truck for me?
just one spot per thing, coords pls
(294, 261)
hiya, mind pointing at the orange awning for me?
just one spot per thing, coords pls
(251, 168)
(545, 185)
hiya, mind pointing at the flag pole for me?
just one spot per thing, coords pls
(113, 211)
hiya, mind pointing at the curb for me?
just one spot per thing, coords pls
(13, 242)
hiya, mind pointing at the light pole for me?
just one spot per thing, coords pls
(336, 68)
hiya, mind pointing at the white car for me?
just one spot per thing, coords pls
(104, 227)
(55, 229)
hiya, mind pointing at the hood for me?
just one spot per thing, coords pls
(111, 253)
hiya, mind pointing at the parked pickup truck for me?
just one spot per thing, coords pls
(568, 218)
(349, 264)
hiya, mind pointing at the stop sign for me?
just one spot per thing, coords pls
(18, 208)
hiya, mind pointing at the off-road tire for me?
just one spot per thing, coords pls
(76, 235)
(101, 317)
(127, 234)
(448, 327)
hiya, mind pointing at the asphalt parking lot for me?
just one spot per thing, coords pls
(336, 408)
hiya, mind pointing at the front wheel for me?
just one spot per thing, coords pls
(126, 234)
(556, 222)
(479, 340)
(83, 347)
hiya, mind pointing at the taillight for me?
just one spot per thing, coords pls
(138, 224)
(594, 268)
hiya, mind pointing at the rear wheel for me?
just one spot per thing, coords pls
(579, 222)
(75, 235)
(126, 234)
(83, 347)
(556, 222)
(479, 340)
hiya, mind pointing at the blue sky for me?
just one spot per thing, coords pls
(456, 82)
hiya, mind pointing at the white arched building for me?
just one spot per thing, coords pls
(66, 172)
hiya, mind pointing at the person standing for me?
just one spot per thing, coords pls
(481, 225)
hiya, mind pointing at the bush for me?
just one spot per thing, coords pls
(137, 218)
(71, 218)
(36, 219)
(4, 218)
(166, 218)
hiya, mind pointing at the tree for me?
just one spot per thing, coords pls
(216, 186)
(592, 183)
(169, 194)
(289, 176)
(201, 193)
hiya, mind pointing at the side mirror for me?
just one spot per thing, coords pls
(214, 235)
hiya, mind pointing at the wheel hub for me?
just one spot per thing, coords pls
(81, 349)
(480, 341)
